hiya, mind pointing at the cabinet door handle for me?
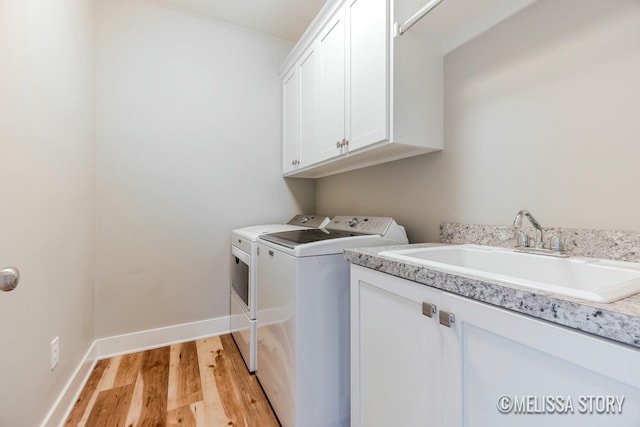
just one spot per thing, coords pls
(429, 309)
(447, 319)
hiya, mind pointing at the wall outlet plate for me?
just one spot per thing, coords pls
(55, 352)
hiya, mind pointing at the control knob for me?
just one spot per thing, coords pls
(354, 222)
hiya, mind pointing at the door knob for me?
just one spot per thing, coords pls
(9, 278)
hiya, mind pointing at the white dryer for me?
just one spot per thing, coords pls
(243, 279)
(303, 317)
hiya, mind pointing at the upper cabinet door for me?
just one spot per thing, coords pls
(308, 74)
(332, 86)
(368, 77)
(290, 122)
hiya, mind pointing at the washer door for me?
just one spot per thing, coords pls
(276, 331)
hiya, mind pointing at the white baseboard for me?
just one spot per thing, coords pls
(160, 337)
(62, 407)
(128, 343)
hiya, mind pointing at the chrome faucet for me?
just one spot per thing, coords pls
(557, 245)
(517, 225)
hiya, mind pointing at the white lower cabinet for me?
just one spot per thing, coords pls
(394, 380)
(489, 367)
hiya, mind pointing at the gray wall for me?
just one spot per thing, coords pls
(47, 208)
(188, 148)
(542, 112)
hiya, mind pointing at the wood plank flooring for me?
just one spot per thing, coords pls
(201, 383)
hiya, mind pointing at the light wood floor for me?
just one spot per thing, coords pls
(201, 383)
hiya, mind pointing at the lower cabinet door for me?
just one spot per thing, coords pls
(505, 369)
(395, 351)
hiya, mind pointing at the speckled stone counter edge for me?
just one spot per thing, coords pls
(619, 321)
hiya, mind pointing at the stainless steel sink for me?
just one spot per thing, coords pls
(589, 279)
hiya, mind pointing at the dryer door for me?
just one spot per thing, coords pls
(240, 275)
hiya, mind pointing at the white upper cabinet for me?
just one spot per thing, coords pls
(368, 76)
(290, 124)
(308, 76)
(332, 47)
(370, 95)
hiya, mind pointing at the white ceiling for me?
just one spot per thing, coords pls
(284, 19)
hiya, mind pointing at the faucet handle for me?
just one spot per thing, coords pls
(539, 242)
(557, 243)
(523, 240)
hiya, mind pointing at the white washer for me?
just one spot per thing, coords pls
(243, 280)
(303, 317)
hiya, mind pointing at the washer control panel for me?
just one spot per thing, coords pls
(311, 221)
(361, 224)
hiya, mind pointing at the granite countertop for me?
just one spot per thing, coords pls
(619, 321)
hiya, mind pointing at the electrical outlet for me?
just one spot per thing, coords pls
(55, 352)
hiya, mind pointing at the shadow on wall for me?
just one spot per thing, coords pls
(304, 194)
(540, 113)
(392, 189)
